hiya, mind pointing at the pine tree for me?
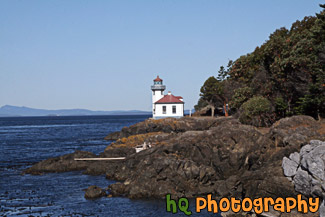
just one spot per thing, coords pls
(212, 92)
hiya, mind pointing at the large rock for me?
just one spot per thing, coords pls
(196, 162)
(315, 165)
(68, 163)
(168, 125)
(289, 167)
(302, 182)
(199, 156)
(227, 159)
(295, 131)
(63, 163)
(310, 176)
(295, 122)
(93, 192)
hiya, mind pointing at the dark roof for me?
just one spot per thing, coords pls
(169, 99)
(158, 79)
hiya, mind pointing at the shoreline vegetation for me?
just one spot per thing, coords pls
(196, 156)
(283, 77)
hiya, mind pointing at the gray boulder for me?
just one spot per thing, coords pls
(289, 167)
(302, 182)
(295, 157)
(307, 169)
(316, 167)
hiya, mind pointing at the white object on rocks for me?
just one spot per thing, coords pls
(142, 147)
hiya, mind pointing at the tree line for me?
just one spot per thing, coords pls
(285, 76)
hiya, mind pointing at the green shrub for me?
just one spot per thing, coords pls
(257, 111)
(240, 96)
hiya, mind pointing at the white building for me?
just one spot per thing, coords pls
(164, 106)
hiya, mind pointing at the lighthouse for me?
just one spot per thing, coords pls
(164, 106)
(157, 92)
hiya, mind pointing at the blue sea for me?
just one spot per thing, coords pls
(25, 141)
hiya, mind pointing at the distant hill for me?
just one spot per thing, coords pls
(11, 111)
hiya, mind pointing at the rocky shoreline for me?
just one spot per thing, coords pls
(197, 156)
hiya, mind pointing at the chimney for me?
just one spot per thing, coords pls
(169, 93)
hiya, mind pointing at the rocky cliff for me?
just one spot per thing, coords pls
(226, 159)
(197, 156)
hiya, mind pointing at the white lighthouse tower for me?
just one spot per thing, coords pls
(157, 92)
(164, 106)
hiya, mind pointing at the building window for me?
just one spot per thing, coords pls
(164, 109)
(174, 109)
(154, 92)
(161, 92)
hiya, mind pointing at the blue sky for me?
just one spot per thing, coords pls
(103, 55)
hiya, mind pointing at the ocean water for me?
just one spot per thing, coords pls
(25, 141)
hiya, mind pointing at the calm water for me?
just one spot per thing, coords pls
(27, 140)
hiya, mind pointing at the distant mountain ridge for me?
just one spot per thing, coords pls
(12, 111)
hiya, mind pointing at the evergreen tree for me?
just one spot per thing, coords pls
(288, 70)
(212, 92)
